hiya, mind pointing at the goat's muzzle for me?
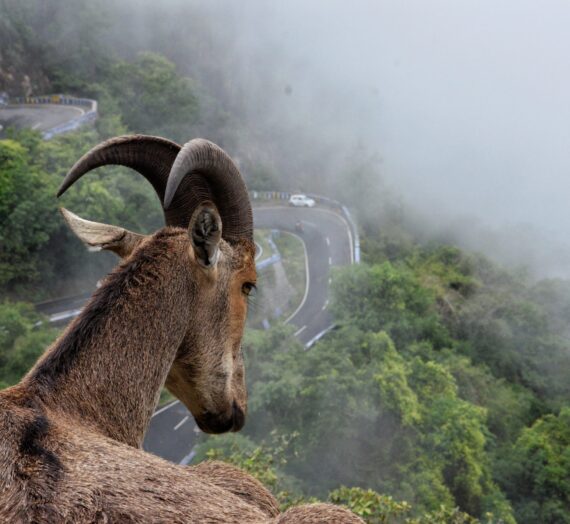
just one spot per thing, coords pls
(210, 422)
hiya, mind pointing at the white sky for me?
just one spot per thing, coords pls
(468, 102)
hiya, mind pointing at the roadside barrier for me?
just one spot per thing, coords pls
(355, 235)
(273, 259)
(90, 114)
(335, 205)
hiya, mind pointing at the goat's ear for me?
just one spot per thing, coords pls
(205, 231)
(98, 236)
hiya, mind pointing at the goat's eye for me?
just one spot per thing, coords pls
(248, 288)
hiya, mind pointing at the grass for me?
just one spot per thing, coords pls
(261, 237)
(293, 256)
(165, 397)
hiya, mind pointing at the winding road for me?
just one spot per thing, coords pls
(327, 240)
(326, 236)
(40, 117)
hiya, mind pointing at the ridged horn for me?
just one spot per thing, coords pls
(204, 171)
(151, 156)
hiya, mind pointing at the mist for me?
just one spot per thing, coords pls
(465, 105)
(461, 108)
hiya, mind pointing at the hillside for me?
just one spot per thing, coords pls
(443, 394)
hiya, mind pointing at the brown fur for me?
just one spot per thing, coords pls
(239, 483)
(318, 514)
(67, 473)
(70, 432)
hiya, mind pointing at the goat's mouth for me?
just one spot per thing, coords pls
(210, 422)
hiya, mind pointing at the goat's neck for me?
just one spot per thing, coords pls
(107, 369)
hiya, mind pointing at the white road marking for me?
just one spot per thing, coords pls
(65, 315)
(35, 126)
(79, 109)
(318, 336)
(165, 408)
(325, 306)
(330, 280)
(330, 261)
(349, 232)
(328, 241)
(181, 423)
(188, 458)
(299, 331)
(307, 279)
(259, 251)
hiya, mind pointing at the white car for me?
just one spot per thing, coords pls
(301, 201)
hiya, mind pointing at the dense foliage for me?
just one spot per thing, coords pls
(434, 389)
(40, 257)
(23, 337)
(442, 396)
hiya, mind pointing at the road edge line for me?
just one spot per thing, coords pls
(318, 336)
(164, 408)
(307, 278)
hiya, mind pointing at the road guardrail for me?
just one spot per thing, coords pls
(90, 114)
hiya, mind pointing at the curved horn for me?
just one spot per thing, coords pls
(151, 156)
(204, 171)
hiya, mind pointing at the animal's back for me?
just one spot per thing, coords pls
(20, 467)
(52, 470)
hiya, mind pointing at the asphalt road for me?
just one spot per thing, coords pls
(40, 117)
(172, 432)
(327, 243)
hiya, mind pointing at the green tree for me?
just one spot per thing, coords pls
(39, 255)
(153, 97)
(371, 506)
(28, 216)
(538, 471)
(368, 415)
(390, 298)
(24, 336)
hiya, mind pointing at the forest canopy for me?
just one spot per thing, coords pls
(441, 396)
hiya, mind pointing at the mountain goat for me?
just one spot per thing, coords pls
(172, 312)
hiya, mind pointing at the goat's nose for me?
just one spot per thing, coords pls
(238, 417)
